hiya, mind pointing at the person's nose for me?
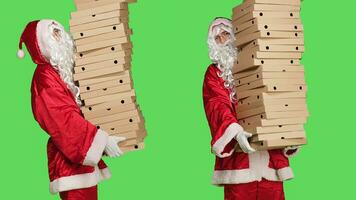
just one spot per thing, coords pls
(223, 39)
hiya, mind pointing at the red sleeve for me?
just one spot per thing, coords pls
(60, 117)
(220, 114)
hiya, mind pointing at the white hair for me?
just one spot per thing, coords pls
(224, 56)
(60, 53)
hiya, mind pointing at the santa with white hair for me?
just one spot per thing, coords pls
(247, 175)
(75, 146)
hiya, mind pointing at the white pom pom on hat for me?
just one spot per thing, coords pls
(20, 54)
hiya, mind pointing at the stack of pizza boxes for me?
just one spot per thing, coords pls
(269, 77)
(102, 69)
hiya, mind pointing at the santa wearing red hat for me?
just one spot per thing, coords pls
(247, 175)
(75, 146)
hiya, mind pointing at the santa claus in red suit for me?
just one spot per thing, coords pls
(247, 175)
(75, 146)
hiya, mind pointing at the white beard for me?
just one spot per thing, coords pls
(225, 56)
(61, 54)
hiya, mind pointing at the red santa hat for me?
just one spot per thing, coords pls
(30, 38)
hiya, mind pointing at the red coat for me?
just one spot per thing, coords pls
(233, 167)
(75, 146)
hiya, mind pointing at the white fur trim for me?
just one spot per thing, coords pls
(96, 149)
(43, 32)
(285, 173)
(230, 133)
(297, 148)
(20, 54)
(258, 169)
(79, 181)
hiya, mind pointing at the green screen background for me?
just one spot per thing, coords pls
(170, 58)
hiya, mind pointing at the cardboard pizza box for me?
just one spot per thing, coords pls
(108, 98)
(134, 119)
(107, 106)
(103, 57)
(256, 120)
(275, 104)
(124, 63)
(281, 48)
(269, 75)
(268, 62)
(264, 21)
(105, 78)
(105, 50)
(275, 144)
(275, 129)
(99, 10)
(278, 143)
(266, 14)
(102, 44)
(95, 25)
(241, 10)
(115, 60)
(107, 84)
(82, 5)
(268, 35)
(289, 114)
(120, 35)
(114, 117)
(277, 115)
(248, 61)
(280, 2)
(246, 7)
(271, 92)
(280, 41)
(251, 51)
(127, 135)
(267, 108)
(255, 94)
(264, 68)
(279, 98)
(281, 85)
(99, 72)
(140, 134)
(276, 136)
(110, 108)
(272, 26)
(126, 128)
(272, 112)
(129, 142)
(106, 91)
(273, 47)
(122, 14)
(119, 28)
(132, 148)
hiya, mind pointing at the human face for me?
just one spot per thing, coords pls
(222, 37)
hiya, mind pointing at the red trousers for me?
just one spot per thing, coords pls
(80, 194)
(263, 190)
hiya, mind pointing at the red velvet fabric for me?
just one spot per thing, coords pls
(29, 37)
(80, 194)
(263, 190)
(59, 116)
(220, 113)
(56, 111)
(219, 110)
